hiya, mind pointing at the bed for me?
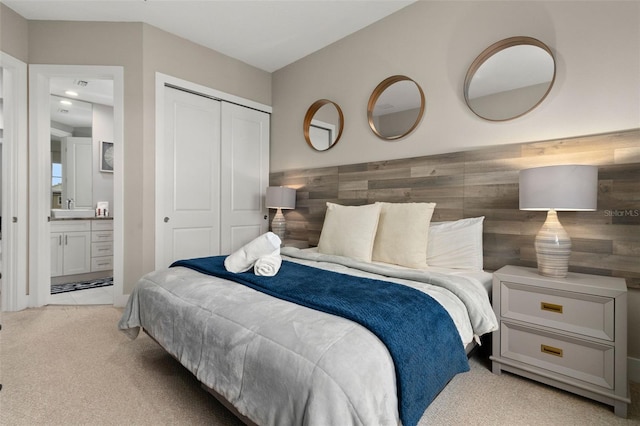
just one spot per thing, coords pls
(280, 359)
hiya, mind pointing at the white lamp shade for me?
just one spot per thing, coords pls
(561, 188)
(281, 197)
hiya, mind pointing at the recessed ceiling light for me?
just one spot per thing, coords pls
(71, 93)
(65, 102)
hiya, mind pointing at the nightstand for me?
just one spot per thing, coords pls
(569, 332)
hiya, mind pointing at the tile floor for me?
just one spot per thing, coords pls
(91, 296)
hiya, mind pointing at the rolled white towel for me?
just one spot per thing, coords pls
(269, 265)
(244, 258)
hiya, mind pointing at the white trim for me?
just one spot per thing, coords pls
(633, 369)
(40, 157)
(163, 80)
(14, 184)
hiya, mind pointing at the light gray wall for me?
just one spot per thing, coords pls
(14, 34)
(596, 46)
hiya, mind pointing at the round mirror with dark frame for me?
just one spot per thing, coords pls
(323, 124)
(509, 78)
(395, 107)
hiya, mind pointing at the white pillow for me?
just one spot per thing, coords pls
(349, 230)
(456, 244)
(403, 232)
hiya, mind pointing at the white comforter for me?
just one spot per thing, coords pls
(283, 364)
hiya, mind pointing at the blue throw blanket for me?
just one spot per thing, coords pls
(418, 332)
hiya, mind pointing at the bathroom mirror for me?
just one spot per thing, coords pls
(509, 78)
(395, 107)
(81, 115)
(71, 153)
(323, 124)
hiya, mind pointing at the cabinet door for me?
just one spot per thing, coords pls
(77, 253)
(56, 253)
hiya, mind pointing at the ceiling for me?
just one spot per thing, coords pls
(267, 34)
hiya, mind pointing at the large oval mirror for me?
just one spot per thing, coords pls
(323, 125)
(395, 107)
(510, 78)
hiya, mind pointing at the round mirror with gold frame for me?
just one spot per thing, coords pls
(395, 107)
(509, 78)
(323, 125)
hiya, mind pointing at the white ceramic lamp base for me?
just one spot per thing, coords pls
(553, 248)
(278, 225)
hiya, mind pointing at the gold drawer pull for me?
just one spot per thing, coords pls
(551, 307)
(551, 350)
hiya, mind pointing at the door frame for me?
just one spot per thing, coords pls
(15, 289)
(163, 80)
(39, 160)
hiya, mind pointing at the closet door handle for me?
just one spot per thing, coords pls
(166, 219)
(59, 240)
(65, 240)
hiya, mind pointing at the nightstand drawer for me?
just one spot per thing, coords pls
(580, 313)
(586, 361)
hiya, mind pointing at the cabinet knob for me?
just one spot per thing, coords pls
(166, 219)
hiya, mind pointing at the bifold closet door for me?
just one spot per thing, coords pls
(189, 178)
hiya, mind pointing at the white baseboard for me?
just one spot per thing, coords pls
(633, 369)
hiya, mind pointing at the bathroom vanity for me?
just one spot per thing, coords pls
(81, 246)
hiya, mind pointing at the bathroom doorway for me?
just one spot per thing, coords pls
(81, 111)
(69, 245)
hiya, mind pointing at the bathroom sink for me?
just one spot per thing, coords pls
(74, 213)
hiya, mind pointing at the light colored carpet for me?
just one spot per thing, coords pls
(69, 365)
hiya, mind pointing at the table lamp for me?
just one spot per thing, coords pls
(553, 189)
(280, 197)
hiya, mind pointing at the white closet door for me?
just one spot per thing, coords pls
(189, 178)
(245, 175)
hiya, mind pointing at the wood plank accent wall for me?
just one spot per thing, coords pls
(484, 182)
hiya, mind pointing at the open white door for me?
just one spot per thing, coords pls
(13, 244)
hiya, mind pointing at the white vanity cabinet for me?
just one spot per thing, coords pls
(70, 247)
(101, 245)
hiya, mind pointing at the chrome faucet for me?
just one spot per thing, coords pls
(69, 203)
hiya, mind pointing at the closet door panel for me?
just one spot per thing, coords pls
(245, 175)
(188, 178)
